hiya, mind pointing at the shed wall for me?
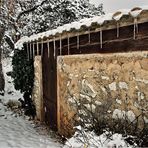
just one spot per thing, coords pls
(108, 81)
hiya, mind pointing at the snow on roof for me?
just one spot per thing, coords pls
(135, 12)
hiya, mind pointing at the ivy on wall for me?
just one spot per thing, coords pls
(23, 71)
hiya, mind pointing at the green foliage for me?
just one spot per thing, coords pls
(23, 71)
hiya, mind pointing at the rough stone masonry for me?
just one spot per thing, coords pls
(117, 83)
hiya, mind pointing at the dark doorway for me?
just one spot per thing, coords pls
(49, 85)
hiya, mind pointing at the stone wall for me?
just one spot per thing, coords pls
(38, 90)
(116, 83)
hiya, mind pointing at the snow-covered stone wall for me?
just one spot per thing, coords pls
(116, 83)
(37, 90)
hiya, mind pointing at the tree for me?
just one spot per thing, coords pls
(33, 16)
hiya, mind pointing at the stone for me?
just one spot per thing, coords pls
(87, 89)
(144, 64)
(140, 96)
(98, 103)
(118, 101)
(112, 86)
(123, 85)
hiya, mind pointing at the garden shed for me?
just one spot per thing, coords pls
(72, 61)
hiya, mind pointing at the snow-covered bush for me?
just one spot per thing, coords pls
(23, 71)
(95, 124)
(13, 104)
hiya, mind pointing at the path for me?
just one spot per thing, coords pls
(16, 132)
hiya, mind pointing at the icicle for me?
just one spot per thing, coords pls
(54, 54)
(136, 22)
(37, 44)
(135, 27)
(48, 49)
(68, 43)
(60, 45)
(117, 29)
(33, 51)
(78, 41)
(100, 37)
(42, 46)
(89, 35)
(134, 30)
(30, 51)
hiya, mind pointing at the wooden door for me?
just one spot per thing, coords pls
(49, 86)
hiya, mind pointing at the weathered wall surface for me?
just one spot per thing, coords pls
(38, 90)
(117, 83)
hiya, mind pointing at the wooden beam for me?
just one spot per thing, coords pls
(78, 41)
(54, 47)
(68, 43)
(60, 45)
(42, 48)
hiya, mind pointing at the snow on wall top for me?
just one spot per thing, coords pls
(87, 22)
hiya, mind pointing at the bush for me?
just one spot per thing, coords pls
(102, 122)
(13, 104)
(23, 71)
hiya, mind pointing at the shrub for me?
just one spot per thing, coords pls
(23, 71)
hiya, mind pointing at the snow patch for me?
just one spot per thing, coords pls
(17, 132)
(135, 13)
(10, 92)
(83, 138)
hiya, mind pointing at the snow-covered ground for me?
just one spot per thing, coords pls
(16, 132)
(10, 92)
(87, 139)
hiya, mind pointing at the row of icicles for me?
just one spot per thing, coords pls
(116, 17)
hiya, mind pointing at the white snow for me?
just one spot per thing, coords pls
(135, 13)
(117, 17)
(83, 138)
(19, 43)
(10, 92)
(16, 132)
